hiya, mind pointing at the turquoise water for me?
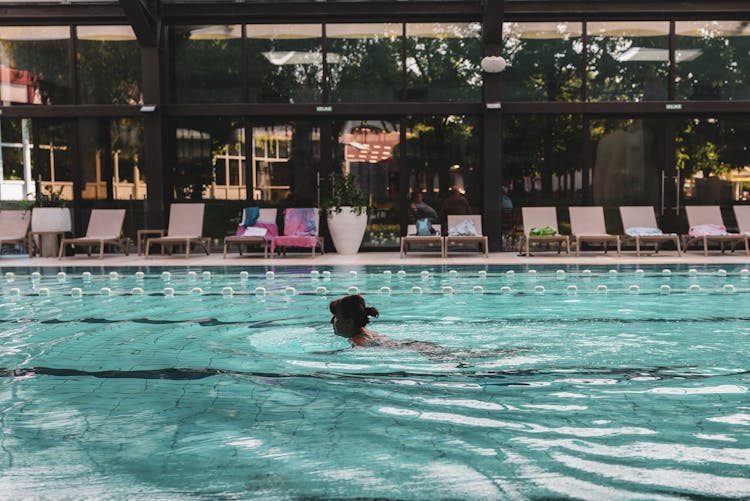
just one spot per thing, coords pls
(571, 383)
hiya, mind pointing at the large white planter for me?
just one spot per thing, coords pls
(347, 229)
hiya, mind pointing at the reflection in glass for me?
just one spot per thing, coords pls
(368, 67)
(285, 62)
(285, 163)
(109, 65)
(442, 62)
(628, 60)
(713, 60)
(443, 152)
(34, 65)
(629, 158)
(206, 64)
(543, 160)
(367, 149)
(55, 156)
(210, 159)
(544, 61)
(16, 181)
(713, 160)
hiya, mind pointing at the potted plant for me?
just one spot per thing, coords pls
(50, 216)
(346, 212)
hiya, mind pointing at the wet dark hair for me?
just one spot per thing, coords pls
(353, 307)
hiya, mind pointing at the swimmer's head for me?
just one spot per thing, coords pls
(350, 314)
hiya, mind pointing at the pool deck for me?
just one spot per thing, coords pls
(383, 259)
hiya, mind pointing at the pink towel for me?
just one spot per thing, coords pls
(293, 241)
(271, 230)
(300, 222)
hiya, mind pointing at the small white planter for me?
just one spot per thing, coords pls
(55, 219)
(347, 229)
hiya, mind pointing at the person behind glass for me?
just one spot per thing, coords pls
(350, 316)
(418, 208)
(507, 202)
(455, 204)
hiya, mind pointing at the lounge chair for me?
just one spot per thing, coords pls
(742, 214)
(587, 225)
(478, 238)
(542, 217)
(267, 217)
(301, 229)
(411, 238)
(105, 227)
(185, 228)
(14, 228)
(639, 224)
(707, 225)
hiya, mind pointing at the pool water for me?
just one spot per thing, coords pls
(213, 383)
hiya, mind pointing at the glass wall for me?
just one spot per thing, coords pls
(16, 180)
(442, 62)
(109, 65)
(628, 60)
(713, 60)
(285, 62)
(206, 64)
(544, 61)
(367, 149)
(365, 62)
(35, 65)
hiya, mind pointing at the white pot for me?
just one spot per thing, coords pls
(347, 229)
(55, 219)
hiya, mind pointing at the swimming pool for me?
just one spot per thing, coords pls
(195, 383)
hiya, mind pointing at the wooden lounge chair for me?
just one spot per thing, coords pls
(742, 214)
(105, 227)
(587, 225)
(539, 217)
(14, 228)
(267, 216)
(412, 238)
(645, 217)
(479, 238)
(699, 215)
(185, 228)
(296, 234)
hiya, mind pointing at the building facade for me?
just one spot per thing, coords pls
(138, 104)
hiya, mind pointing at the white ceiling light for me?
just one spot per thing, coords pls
(493, 64)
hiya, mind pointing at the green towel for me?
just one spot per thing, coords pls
(544, 231)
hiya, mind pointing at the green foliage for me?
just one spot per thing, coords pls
(345, 193)
(47, 198)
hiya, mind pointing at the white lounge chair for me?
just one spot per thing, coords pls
(644, 217)
(14, 228)
(587, 225)
(267, 216)
(699, 215)
(479, 238)
(185, 228)
(105, 228)
(296, 232)
(539, 217)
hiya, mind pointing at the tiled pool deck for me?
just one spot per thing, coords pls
(383, 259)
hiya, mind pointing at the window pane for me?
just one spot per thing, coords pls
(442, 62)
(544, 61)
(713, 60)
(712, 158)
(55, 157)
(628, 60)
(207, 61)
(15, 158)
(109, 65)
(285, 163)
(285, 62)
(364, 62)
(128, 180)
(205, 148)
(35, 65)
(367, 149)
(444, 152)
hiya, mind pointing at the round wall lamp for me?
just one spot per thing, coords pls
(493, 64)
